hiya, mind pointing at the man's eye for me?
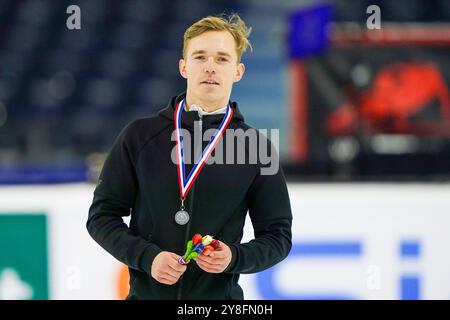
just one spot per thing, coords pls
(223, 59)
(199, 58)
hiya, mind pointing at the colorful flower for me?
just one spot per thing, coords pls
(198, 245)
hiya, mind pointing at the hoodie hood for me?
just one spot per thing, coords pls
(188, 118)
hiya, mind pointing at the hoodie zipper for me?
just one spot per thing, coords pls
(201, 130)
(187, 234)
(191, 207)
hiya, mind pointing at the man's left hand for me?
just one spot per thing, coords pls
(217, 261)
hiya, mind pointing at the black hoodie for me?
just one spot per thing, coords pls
(140, 179)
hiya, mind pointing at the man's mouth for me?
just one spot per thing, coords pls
(212, 82)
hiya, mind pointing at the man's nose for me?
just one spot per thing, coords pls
(210, 67)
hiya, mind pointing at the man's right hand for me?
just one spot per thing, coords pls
(166, 269)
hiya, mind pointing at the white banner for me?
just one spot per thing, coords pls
(350, 241)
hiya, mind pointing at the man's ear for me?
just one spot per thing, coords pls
(182, 68)
(239, 72)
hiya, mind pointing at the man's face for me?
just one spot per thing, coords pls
(210, 67)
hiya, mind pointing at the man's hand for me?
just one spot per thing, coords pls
(217, 261)
(166, 269)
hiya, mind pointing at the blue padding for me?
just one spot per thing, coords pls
(43, 174)
(327, 249)
(409, 287)
(308, 31)
(409, 249)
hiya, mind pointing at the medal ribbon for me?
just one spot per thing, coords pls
(186, 183)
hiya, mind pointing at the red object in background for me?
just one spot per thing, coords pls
(298, 140)
(398, 92)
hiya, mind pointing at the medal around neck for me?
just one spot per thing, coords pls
(182, 216)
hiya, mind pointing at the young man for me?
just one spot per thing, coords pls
(171, 200)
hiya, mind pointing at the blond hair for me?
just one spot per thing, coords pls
(233, 24)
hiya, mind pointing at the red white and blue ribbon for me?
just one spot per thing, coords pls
(186, 183)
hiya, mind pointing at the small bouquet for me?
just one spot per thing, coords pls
(198, 245)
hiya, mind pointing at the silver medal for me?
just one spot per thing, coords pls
(181, 217)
